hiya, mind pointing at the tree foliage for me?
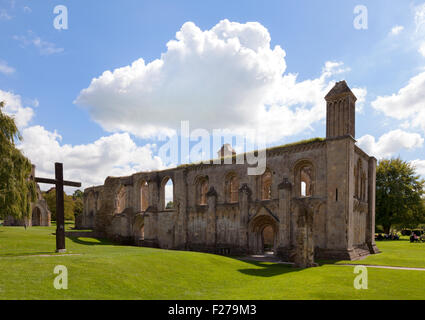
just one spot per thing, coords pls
(399, 195)
(78, 194)
(78, 197)
(78, 207)
(170, 205)
(69, 204)
(17, 191)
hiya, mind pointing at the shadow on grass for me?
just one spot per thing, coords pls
(267, 269)
(322, 262)
(91, 242)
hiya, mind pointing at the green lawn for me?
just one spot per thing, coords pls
(101, 270)
(400, 253)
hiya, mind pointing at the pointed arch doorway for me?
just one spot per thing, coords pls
(36, 217)
(263, 234)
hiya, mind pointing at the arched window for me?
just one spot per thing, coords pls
(201, 190)
(304, 181)
(120, 201)
(167, 193)
(144, 202)
(363, 187)
(266, 185)
(303, 189)
(356, 181)
(232, 188)
(359, 178)
(360, 181)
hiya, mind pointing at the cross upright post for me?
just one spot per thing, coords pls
(60, 206)
(60, 210)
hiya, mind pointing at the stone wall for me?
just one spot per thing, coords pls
(339, 226)
(220, 208)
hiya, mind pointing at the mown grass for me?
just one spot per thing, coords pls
(400, 253)
(99, 269)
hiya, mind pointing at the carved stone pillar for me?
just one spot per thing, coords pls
(285, 190)
(244, 198)
(153, 192)
(304, 246)
(211, 218)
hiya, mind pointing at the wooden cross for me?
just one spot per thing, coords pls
(60, 207)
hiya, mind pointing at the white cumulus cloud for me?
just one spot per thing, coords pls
(114, 155)
(396, 30)
(420, 166)
(15, 108)
(407, 104)
(390, 143)
(228, 77)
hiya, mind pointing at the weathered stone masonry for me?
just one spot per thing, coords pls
(315, 199)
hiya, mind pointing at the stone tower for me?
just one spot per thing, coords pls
(340, 111)
(226, 151)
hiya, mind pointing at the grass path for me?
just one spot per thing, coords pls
(100, 270)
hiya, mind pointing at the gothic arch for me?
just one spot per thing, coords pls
(201, 189)
(36, 217)
(162, 195)
(359, 181)
(263, 226)
(139, 227)
(265, 182)
(120, 200)
(304, 178)
(231, 187)
(143, 195)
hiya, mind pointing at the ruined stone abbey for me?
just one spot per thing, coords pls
(315, 199)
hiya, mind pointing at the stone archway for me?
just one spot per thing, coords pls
(139, 229)
(263, 234)
(36, 217)
(268, 238)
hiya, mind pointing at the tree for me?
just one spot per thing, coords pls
(78, 194)
(399, 195)
(78, 206)
(78, 198)
(170, 205)
(17, 190)
(69, 205)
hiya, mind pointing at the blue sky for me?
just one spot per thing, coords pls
(45, 70)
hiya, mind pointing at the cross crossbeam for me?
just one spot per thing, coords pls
(53, 181)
